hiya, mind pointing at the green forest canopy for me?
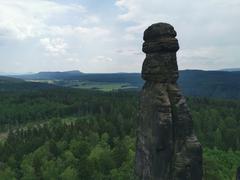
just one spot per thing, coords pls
(77, 134)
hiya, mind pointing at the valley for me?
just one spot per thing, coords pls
(213, 84)
(47, 110)
(72, 126)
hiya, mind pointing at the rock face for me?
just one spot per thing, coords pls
(238, 174)
(167, 148)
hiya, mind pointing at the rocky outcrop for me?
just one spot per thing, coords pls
(167, 148)
(238, 174)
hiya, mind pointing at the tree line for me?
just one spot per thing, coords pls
(79, 134)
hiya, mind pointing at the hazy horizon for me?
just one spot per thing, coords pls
(23, 73)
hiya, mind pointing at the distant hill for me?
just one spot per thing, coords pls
(5, 79)
(15, 84)
(50, 75)
(230, 69)
(216, 84)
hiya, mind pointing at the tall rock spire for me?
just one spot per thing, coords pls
(167, 148)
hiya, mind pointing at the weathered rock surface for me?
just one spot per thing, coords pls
(238, 174)
(167, 148)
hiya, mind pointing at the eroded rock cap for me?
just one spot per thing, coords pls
(160, 64)
(159, 30)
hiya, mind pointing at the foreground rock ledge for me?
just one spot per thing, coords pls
(167, 148)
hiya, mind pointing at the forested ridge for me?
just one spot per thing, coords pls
(78, 134)
(214, 84)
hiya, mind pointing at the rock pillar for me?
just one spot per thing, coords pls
(167, 148)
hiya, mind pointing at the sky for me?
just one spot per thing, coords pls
(105, 36)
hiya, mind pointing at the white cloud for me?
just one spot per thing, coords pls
(22, 19)
(54, 47)
(212, 18)
(208, 57)
(89, 19)
(102, 59)
(73, 60)
(204, 53)
(68, 33)
(79, 31)
(130, 51)
(205, 28)
(72, 35)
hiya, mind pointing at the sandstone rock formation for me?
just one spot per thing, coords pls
(238, 174)
(167, 148)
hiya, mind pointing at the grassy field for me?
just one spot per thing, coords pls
(45, 81)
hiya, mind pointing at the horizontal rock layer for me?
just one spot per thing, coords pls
(160, 67)
(161, 45)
